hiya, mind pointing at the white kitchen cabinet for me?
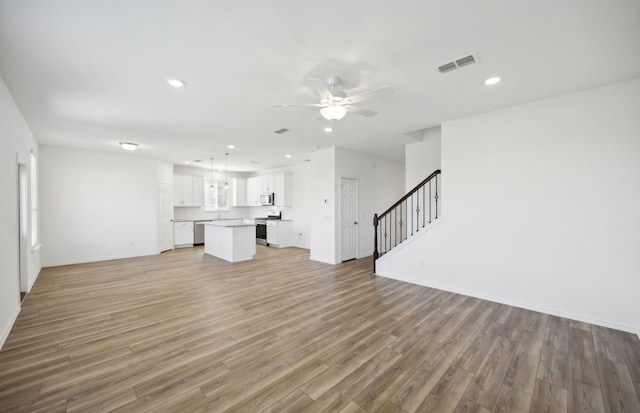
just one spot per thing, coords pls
(282, 184)
(266, 184)
(239, 195)
(253, 191)
(183, 234)
(198, 191)
(279, 233)
(188, 190)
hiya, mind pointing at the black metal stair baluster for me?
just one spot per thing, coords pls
(408, 215)
(430, 214)
(436, 197)
(424, 206)
(418, 210)
(375, 240)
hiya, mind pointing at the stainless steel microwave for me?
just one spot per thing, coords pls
(266, 198)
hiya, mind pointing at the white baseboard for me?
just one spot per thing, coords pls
(322, 260)
(502, 300)
(7, 328)
(97, 259)
(33, 281)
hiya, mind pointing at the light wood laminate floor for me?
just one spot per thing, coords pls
(187, 332)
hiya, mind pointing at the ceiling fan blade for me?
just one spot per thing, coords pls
(320, 87)
(368, 95)
(284, 105)
(361, 111)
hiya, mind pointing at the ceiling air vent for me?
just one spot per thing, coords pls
(467, 60)
(463, 61)
(447, 67)
(281, 131)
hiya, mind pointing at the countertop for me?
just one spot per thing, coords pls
(227, 224)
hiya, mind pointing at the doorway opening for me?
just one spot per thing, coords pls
(23, 230)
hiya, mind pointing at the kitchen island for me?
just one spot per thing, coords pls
(232, 240)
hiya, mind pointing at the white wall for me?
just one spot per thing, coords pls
(380, 185)
(301, 205)
(97, 205)
(541, 209)
(422, 158)
(322, 179)
(17, 142)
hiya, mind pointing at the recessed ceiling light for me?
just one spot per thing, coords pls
(287, 156)
(231, 146)
(328, 129)
(129, 146)
(492, 81)
(176, 82)
(187, 162)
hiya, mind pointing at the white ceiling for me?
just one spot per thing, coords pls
(88, 73)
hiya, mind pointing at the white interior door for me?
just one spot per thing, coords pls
(348, 218)
(165, 217)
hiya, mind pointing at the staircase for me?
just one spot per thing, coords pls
(412, 213)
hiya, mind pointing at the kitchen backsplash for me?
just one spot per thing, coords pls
(198, 213)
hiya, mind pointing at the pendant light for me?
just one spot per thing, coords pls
(226, 174)
(212, 187)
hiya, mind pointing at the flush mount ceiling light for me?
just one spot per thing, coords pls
(287, 156)
(129, 146)
(176, 83)
(492, 81)
(231, 146)
(328, 129)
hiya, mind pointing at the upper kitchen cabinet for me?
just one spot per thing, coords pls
(198, 191)
(239, 195)
(266, 184)
(282, 184)
(253, 191)
(188, 190)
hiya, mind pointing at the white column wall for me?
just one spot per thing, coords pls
(323, 206)
(17, 142)
(541, 209)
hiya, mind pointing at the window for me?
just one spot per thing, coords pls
(33, 186)
(215, 196)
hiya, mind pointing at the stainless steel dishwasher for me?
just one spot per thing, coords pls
(198, 232)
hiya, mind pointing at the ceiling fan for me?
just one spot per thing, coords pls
(334, 104)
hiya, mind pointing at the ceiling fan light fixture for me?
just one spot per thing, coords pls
(129, 146)
(333, 112)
